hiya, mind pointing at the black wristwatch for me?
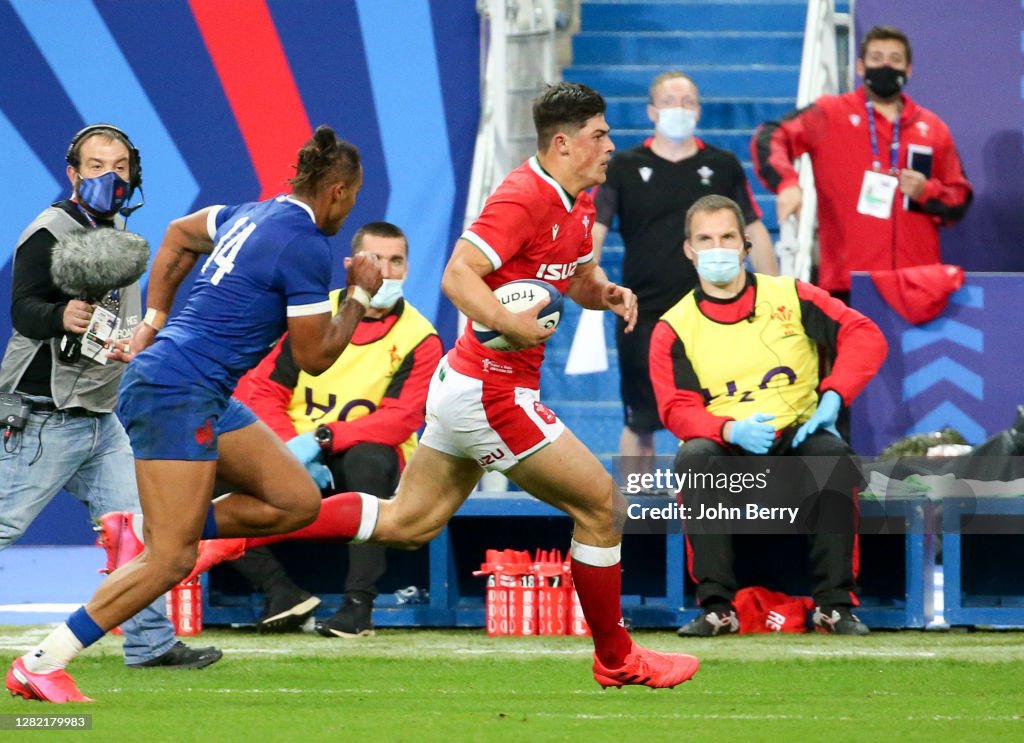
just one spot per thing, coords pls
(325, 437)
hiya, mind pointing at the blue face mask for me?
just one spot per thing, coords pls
(388, 295)
(718, 265)
(105, 194)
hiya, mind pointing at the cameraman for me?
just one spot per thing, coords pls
(71, 439)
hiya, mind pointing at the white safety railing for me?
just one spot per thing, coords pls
(517, 58)
(825, 67)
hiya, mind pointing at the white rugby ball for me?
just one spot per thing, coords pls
(519, 296)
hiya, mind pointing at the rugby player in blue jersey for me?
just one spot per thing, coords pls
(266, 270)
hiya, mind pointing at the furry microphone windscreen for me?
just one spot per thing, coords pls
(89, 263)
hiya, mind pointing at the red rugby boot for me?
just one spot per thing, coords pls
(57, 686)
(215, 551)
(645, 667)
(118, 538)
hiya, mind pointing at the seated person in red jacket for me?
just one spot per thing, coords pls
(354, 427)
(735, 368)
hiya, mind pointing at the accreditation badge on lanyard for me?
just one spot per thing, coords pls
(878, 190)
(877, 193)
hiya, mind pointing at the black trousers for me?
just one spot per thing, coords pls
(832, 539)
(367, 468)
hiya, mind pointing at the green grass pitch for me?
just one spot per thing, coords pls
(459, 685)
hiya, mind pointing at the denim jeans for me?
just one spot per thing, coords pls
(91, 458)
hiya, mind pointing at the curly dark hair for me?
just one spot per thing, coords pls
(324, 158)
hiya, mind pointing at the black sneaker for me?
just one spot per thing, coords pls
(712, 623)
(839, 620)
(182, 656)
(354, 619)
(286, 612)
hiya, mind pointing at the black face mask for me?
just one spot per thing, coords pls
(885, 82)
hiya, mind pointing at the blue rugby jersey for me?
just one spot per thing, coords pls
(270, 261)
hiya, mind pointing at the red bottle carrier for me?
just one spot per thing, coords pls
(577, 622)
(185, 607)
(511, 599)
(552, 597)
(530, 597)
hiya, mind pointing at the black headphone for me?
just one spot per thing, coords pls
(134, 159)
(747, 244)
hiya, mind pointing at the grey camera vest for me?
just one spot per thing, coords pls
(96, 385)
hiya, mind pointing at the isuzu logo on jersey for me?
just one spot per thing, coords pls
(556, 270)
(732, 389)
(491, 457)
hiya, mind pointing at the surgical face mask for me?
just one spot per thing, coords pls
(105, 194)
(388, 295)
(718, 265)
(678, 124)
(885, 81)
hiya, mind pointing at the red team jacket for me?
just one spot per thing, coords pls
(834, 131)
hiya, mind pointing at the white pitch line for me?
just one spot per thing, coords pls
(522, 651)
(39, 608)
(222, 690)
(839, 652)
(38, 631)
(257, 651)
(767, 718)
(674, 716)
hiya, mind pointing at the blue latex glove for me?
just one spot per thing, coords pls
(320, 474)
(754, 434)
(824, 417)
(305, 448)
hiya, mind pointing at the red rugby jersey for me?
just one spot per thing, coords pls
(530, 228)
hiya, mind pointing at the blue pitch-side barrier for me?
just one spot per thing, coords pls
(961, 369)
(896, 568)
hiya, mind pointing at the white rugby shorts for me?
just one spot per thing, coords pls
(498, 426)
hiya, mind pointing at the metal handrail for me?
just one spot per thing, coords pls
(504, 79)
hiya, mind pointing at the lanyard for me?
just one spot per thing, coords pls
(87, 215)
(894, 148)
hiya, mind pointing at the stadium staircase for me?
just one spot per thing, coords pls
(745, 57)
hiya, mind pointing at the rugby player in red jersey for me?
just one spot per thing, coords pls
(484, 410)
